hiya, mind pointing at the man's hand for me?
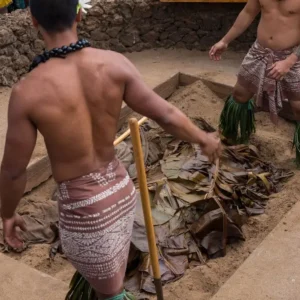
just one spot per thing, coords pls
(217, 50)
(212, 147)
(280, 69)
(11, 228)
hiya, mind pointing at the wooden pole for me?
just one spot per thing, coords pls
(124, 135)
(141, 174)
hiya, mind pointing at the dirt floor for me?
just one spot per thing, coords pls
(156, 64)
(199, 283)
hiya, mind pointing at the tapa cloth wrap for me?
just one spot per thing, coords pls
(96, 220)
(270, 93)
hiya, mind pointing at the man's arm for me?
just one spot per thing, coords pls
(20, 143)
(243, 21)
(294, 57)
(145, 101)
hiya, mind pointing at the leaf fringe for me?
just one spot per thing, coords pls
(80, 289)
(237, 121)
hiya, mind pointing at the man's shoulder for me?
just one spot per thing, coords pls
(22, 87)
(108, 57)
(116, 64)
(25, 84)
(26, 89)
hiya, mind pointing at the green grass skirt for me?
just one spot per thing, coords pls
(237, 121)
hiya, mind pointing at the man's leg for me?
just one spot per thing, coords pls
(121, 296)
(241, 94)
(118, 296)
(295, 104)
(237, 118)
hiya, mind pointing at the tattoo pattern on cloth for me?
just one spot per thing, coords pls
(99, 254)
(270, 93)
(96, 215)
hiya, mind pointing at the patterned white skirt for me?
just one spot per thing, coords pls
(96, 220)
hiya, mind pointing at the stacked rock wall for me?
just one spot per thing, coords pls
(125, 26)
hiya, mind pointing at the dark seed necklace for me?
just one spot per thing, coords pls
(58, 52)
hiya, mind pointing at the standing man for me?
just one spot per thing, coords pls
(270, 70)
(73, 97)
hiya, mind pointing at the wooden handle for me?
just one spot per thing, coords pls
(141, 174)
(124, 135)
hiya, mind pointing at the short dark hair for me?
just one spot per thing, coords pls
(54, 15)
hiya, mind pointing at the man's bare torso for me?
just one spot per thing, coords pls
(75, 103)
(279, 27)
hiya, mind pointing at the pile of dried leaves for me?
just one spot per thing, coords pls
(198, 208)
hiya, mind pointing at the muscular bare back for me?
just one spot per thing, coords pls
(75, 103)
(279, 27)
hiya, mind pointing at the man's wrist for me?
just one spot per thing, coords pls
(292, 59)
(225, 41)
(202, 138)
(296, 51)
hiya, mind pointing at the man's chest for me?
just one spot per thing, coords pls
(284, 7)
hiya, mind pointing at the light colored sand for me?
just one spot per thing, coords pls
(272, 271)
(19, 281)
(156, 65)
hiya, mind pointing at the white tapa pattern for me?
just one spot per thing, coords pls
(99, 254)
(110, 191)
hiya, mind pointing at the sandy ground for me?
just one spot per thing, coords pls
(155, 65)
(274, 142)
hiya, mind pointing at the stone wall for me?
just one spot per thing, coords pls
(131, 25)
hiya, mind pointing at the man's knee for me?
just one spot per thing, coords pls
(241, 96)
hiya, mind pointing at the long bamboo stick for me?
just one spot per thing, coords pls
(124, 135)
(141, 174)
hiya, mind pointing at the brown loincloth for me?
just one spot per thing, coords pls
(253, 75)
(96, 220)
